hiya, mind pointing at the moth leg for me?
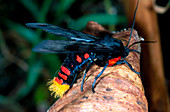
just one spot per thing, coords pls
(77, 69)
(99, 76)
(87, 69)
(131, 67)
(124, 61)
(73, 79)
(130, 50)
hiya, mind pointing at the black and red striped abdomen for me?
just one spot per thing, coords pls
(67, 73)
(72, 64)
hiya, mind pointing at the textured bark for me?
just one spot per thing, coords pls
(118, 89)
(152, 63)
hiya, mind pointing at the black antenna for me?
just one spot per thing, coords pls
(133, 23)
(141, 42)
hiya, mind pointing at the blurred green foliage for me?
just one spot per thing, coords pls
(23, 73)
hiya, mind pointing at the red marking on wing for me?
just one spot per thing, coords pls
(60, 81)
(78, 58)
(65, 70)
(86, 56)
(62, 76)
(113, 61)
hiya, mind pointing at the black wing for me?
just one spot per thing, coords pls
(65, 32)
(63, 46)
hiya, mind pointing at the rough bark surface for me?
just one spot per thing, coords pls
(118, 89)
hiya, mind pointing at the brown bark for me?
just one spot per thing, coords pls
(118, 89)
(152, 64)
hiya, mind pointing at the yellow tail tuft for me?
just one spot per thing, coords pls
(57, 89)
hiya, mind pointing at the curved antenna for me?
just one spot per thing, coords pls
(141, 42)
(133, 23)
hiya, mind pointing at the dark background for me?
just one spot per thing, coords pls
(23, 73)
